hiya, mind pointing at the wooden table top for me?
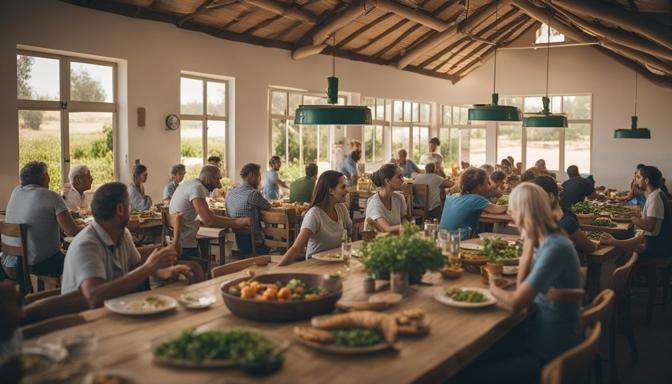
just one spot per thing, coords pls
(457, 336)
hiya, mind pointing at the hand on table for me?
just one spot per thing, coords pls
(174, 272)
(161, 258)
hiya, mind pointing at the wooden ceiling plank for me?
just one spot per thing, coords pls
(263, 24)
(280, 35)
(397, 40)
(200, 9)
(284, 10)
(415, 15)
(363, 29)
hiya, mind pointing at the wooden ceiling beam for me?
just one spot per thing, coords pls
(363, 29)
(661, 81)
(415, 15)
(382, 35)
(339, 20)
(284, 10)
(481, 14)
(396, 41)
(639, 56)
(543, 15)
(200, 9)
(262, 24)
(616, 15)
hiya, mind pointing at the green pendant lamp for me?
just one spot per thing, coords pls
(545, 119)
(633, 132)
(494, 111)
(333, 114)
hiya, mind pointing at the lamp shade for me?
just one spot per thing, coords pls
(633, 132)
(333, 115)
(494, 111)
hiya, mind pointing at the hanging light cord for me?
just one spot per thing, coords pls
(494, 77)
(548, 49)
(635, 93)
(333, 55)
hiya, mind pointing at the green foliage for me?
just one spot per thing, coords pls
(191, 148)
(292, 171)
(46, 149)
(85, 88)
(24, 66)
(30, 119)
(408, 252)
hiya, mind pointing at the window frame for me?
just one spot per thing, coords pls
(412, 124)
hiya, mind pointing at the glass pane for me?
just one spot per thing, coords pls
(514, 101)
(217, 141)
(368, 142)
(577, 146)
(40, 140)
(577, 107)
(456, 115)
(420, 142)
(279, 103)
(91, 143)
(509, 141)
(473, 146)
(464, 115)
(216, 98)
(543, 143)
(309, 141)
(398, 110)
(533, 104)
(294, 134)
(191, 96)
(341, 101)
(380, 109)
(407, 111)
(314, 100)
(91, 82)
(278, 135)
(424, 113)
(369, 102)
(324, 147)
(400, 139)
(416, 112)
(378, 144)
(446, 117)
(191, 146)
(294, 102)
(37, 78)
(556, 104)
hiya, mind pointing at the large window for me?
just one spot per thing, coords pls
(204, 121)
(557, 146)
(67, 113)
(410, 128)
(373, 135)
(461, 141)
(298, 145)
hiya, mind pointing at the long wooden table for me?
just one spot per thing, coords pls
(457, 336)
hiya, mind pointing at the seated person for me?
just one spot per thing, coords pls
(408, 167)
(464, 210)
(44, 214)
(324, 223)
(528, 175)
(245, 201)
(177, 173)
(576, 188)
(189, 200)
(136, 191)
(540, 169)
(506, 166)
(272, 182)
(386, 208)
(655, 239)
(436, 185)
(548, 262)
(349, 168)
(216, 161)
(635, 196)
(301, 190)
(567, 220)
(80, 181)
(497, 181)
(102, 261)
(489, 169)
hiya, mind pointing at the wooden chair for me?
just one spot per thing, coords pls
(420, 202)
(621, 285)
(171, 228)
(407, 191)
(601, 310)
(22, 270)
(276, 229)
(51, 325)
(33, 297)
(240, 265)
(249, 232)
(575, 363)
(657, 273)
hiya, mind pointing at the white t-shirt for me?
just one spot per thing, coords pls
(326, 233)
(653, 207)
(434, 182)
(181, 202)
(73, 200)
(375, 209)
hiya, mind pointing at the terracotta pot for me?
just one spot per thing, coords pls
(399, 282)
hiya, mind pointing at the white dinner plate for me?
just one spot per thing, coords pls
(196, 300)
(471, 246)
(327, 257)
(440, 296)
(137, 305)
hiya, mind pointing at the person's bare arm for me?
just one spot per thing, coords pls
(495, 209)
(525, 263)
(516, 300)
(297, 247)
(386, 226)
(647, 223)
(582, 243)
(211, 220)
(67, 223)
(283, 184)
(634, 243)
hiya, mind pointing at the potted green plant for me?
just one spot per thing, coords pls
(409, 254)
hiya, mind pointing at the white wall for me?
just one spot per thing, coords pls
(155, 53)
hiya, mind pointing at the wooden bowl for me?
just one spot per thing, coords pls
(274, 311)
(452, 273)
(586, 218)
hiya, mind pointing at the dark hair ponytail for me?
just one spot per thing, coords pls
(328, 179)
(387, 171)
(138, 169)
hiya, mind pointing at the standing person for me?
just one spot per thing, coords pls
(44, 214)
(136, 190)
(464, 210)
(80, 181)
(549, 262)
(349, 167)
(408, 167)
(177, 173)
(272, 182)
(245, 201)
(386, 208)
(434, 156)
(301, 190)
(576, 188)
(436, 184)
(323, 224)
(102, 261)
(189, 200)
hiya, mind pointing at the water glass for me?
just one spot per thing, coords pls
(346, 253)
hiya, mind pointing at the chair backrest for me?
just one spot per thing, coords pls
(239, 265)
(51, 325)
(574, 363)
(420, 201)
(599, 310)
(407, 190)
(276, 229)
(621, 274)
(20, 252)
(172, 227)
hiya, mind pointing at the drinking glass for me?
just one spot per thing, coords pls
(346, 253)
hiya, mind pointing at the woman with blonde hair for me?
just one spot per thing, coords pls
(549, 262)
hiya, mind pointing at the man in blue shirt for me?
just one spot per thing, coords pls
(407, 166)
(349, 167)
(272, 182)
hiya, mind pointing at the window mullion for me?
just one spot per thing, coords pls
(65, 117)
